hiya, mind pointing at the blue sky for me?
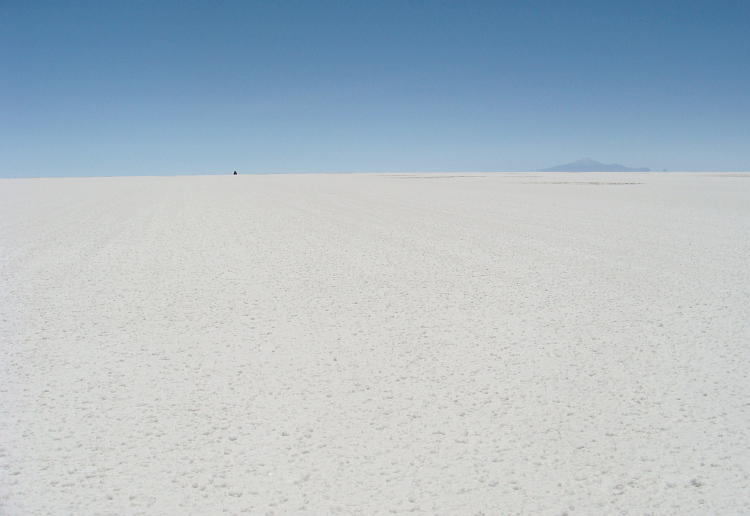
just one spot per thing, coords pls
(147, 88)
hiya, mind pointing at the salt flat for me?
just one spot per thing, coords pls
(366, 344)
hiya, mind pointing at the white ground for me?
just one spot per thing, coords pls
(363, 344)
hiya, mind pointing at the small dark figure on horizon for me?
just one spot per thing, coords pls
(235, 172)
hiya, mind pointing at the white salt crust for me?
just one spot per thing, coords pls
(375, 344)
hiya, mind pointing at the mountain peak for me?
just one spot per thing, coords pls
(590, 165)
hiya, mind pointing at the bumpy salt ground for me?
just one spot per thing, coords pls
(366, 344)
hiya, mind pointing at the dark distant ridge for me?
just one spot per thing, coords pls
(589, 165)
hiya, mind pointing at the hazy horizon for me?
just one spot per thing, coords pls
(402, 173)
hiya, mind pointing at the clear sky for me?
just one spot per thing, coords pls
(146, 88)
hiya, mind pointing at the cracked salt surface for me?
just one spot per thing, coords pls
(357, 345)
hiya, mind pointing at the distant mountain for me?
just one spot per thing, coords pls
(589, 165)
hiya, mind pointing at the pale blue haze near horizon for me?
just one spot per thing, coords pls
(152, 88)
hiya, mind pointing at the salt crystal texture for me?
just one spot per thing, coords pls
(366, 344)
